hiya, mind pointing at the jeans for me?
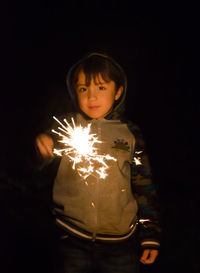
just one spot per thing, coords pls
(81, 256)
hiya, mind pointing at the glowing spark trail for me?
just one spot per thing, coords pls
(79, 147)
(137, 159)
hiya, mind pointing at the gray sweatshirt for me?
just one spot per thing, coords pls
(99, 206)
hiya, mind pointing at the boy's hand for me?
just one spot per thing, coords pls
(45, 145)
(149, 256)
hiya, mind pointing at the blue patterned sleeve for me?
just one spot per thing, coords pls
(145, 193)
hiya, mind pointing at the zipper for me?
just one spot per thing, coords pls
(96, 204)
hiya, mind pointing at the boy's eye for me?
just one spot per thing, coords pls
(102, 87)
(82, 89)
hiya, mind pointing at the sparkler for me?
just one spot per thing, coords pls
(79, 147)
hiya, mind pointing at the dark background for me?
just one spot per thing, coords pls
(39, 43)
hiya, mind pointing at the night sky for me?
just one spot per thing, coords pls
(39, 43)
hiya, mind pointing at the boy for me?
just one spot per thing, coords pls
(101, 219)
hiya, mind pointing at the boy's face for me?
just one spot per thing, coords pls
(96, 99)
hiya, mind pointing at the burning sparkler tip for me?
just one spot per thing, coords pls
(80, 149)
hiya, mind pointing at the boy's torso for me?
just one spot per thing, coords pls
(100, 206)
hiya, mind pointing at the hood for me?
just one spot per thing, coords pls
(119, 105)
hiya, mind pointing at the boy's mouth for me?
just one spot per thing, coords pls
(93, 107)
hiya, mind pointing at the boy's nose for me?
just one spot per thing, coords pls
(92, 94)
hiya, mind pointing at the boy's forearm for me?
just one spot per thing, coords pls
(39, 161)
(146, 196)
(145, 193)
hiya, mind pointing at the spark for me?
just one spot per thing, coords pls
(144, 220)
(80, 149)
(137, 159)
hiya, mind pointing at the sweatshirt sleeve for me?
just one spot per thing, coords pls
(144, 191)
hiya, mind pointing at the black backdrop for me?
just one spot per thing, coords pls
(159, 54)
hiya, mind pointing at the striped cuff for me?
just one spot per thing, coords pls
(150, 244)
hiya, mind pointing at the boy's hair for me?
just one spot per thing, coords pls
(96, 64)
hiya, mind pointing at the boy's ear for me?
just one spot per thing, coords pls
(119, 92)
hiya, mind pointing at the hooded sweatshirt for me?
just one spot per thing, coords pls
(108, 209)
